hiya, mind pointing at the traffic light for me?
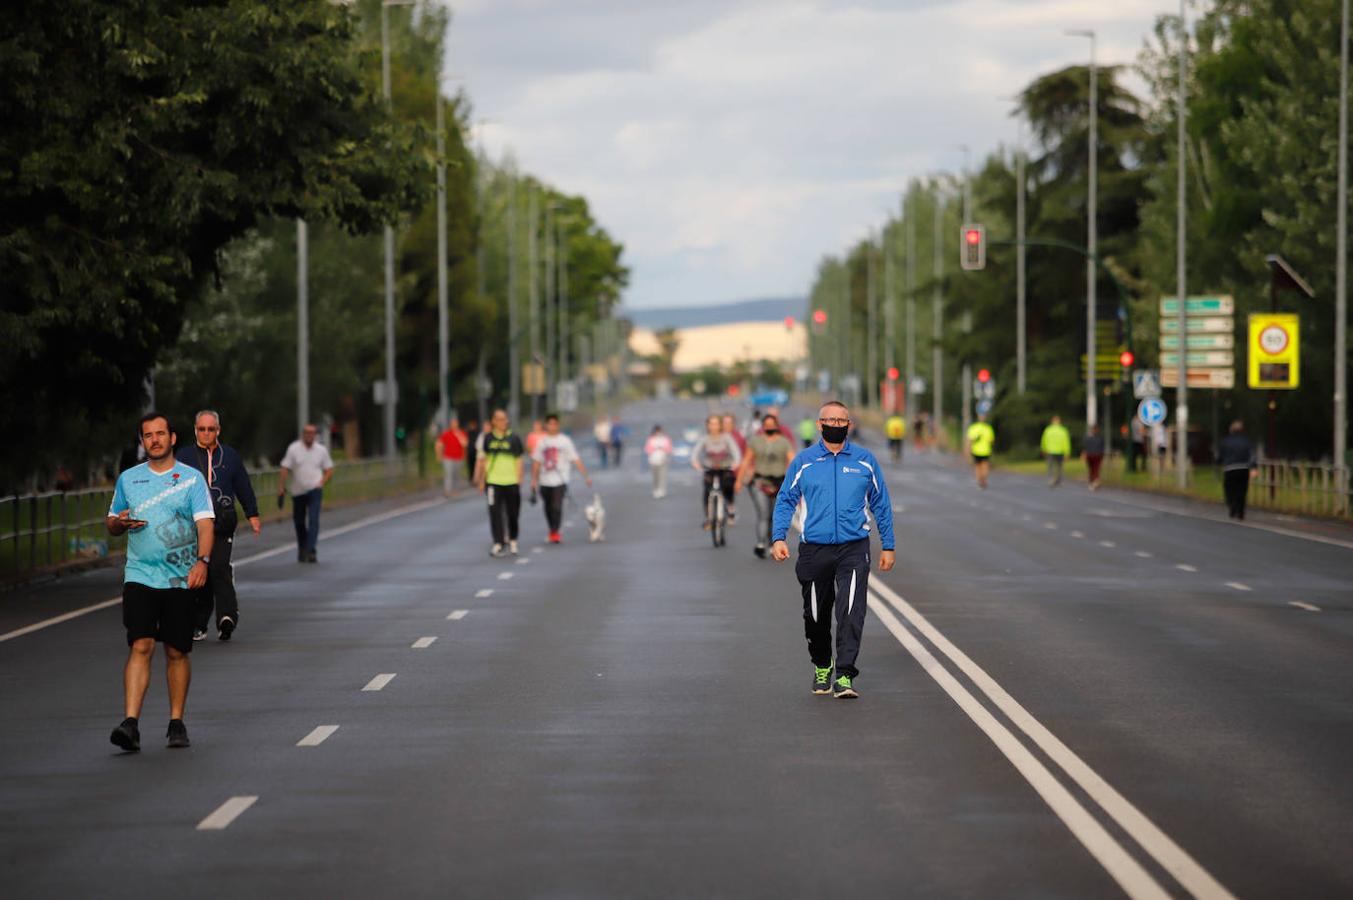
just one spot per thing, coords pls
(893, 374)
(789, 323)
(819, 321)
(1126, 359)
(984, 375)
(972, 248)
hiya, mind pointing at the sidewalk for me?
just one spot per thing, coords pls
(54, 596)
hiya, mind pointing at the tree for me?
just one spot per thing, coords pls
(142, 137)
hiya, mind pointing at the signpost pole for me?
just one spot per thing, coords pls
(1181, 415)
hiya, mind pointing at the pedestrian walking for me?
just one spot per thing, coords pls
(807, 430)
(534, 435)
(658, 450)
(1137, 432)
(1235, 455)
(618, 434)
(308, 466)
(980, 441)
(763, 470)
(229, 488)
(839, 481)
(1055, 445)
(163, 507)
(550, 462)
(1094, 456)
(896, 430)
(1160, 447)
(472, 432)
(498, 474)
(602, 433)
(451, 447)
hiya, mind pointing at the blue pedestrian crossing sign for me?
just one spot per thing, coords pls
(1152, 411)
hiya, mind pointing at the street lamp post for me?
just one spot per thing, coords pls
(911, 305)
(302, 326)
(871, 345)
(1091, 406)
(937, 316)
(391, 395)
(1341, 278)
(443, 308)
(1181, 414)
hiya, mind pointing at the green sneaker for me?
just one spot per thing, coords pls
(844, 690)
(822, 680)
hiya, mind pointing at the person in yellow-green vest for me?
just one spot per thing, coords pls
(896, 429)
(981, 440)
(1056, 446)
(498, 471)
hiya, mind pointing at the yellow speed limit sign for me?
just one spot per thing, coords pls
(1275, 351)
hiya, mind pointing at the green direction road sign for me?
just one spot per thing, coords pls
(1199, 306)
(1213, 341)
(1206, 358)
(1211, 324)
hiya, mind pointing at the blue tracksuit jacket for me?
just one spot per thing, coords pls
(836, 490)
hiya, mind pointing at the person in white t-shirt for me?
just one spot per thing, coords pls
(550, 460)
(602, 432)
(309, 467)
(658, 449)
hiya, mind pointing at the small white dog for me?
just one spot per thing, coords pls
(595, 514)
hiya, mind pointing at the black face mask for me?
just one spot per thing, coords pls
(835, 434)
(770, 431)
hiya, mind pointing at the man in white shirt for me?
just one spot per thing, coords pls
(658, 449)
(550, 460)
(309, 467)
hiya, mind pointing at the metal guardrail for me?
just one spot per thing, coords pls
(56, 527)
(1315, 488)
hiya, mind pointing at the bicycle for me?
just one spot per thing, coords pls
(716, 506)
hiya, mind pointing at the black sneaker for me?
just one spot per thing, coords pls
(311, 557)
(177, 734)
(845, 689)
(225, 628)
(760, 551)
(822, 680)
(127, 736)
(199, 634)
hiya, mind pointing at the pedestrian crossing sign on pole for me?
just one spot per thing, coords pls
(1145, 383)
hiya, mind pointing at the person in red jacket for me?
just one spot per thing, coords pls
(451, 448)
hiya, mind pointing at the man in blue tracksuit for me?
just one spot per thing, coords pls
(836, 480)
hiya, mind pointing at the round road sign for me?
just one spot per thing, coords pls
(1152, 411)
(1273, 339)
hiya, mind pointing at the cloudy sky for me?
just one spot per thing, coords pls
(729, 144)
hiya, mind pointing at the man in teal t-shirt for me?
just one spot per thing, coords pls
(164, 509)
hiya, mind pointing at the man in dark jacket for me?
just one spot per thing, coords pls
(1235, 455)
(229, 487)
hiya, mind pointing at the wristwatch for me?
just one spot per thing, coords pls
(204, 559)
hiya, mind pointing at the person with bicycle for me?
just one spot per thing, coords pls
(841, 483)
(763, 471)
(717, 456)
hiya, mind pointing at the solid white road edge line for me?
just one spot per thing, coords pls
(458, 614)
(423, 642)
(226, 813)
(379, 681)
(1131, 876)
(321, 734)
(1173, 858)
(266, 554)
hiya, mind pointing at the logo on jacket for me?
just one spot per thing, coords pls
(849, 469)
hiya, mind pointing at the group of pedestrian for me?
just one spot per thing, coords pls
(180, 509)
(610, 434)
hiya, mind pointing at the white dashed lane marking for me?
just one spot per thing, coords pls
(483, 592)
(1050, 526)
(423, 642)
(523, 562)
(379, 681)
(1236, 585)
(1301, 604)
(1143, 554)
(537, 549)
(226, 813)
(457, 614)
(321, 734)
(1107, 544)
(1185, 567)
(1078, 534)
(504, 576)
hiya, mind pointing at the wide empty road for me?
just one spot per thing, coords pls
(1063, 695)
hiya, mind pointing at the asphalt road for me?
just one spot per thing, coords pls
(1063, 695)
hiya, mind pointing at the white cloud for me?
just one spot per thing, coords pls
(730, 143)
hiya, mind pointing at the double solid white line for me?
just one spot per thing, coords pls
(1130, 875)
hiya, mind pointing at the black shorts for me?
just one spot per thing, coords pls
(977, 460)
(165, 614)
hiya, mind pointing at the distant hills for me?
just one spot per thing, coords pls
(771, 309)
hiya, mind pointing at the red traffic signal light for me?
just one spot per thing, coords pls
(819, 317)
(893, 374)
(1126, 359)
(733, 390)
(789, 322)
(973, 250)
(983, 375)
